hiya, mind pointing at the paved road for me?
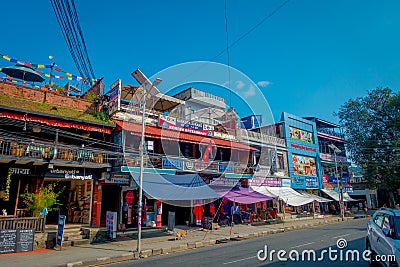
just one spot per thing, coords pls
(244, 252)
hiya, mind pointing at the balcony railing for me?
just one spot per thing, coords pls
(187, 164)
(46, 151)
(262, 138)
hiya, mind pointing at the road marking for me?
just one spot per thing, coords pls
(340, 236)
(240, 260)
(302, 245)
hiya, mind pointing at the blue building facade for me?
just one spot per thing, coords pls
(304, 161)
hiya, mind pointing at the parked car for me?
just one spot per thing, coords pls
(383, 237)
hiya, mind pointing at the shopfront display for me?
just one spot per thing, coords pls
(76, 193)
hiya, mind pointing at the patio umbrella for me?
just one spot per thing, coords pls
(23, 72)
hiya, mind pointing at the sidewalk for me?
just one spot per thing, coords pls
(154, 242)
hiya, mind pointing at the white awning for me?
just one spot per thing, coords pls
(315, 197)
(287, 194)
(335, 195)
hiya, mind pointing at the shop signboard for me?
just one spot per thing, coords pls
(265, 181)
(25, 239)
(170, 163)
(333, 180)
(286, 183)
(171, 221)
(301, 135)
(71, 173)
(226, 168)
(298, 182)
(111, 224)
(177, 124)
(21, 171)
(223, 181)
(114, 105)
(312, 182)
(120, 178)
(303, 165)
(8, 241)
(16, 240)
(60, 229)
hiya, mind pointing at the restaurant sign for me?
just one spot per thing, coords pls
(181, 125)
(73, 174)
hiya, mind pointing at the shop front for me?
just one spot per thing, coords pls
(18, 179)
(75, 187)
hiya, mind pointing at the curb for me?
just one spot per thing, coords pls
(197, 244)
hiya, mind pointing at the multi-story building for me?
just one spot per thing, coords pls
(52, 138)
(334, 162)
(303, 152)
(176, 143)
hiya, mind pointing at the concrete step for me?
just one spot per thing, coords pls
(73, 236)
(71, 243)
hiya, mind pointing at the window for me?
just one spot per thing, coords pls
(281, 162)
(378, 220)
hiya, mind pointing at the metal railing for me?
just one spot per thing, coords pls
(159, 161)
(262, 138)
(47, 151)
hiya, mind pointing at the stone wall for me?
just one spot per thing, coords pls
(45, 96)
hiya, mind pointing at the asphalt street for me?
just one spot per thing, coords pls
(322, 240)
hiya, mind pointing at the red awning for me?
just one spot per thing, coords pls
(52, 122)
(156, 132)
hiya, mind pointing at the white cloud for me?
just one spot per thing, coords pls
(226, 84)
(250, 92)
(263, 83)
(239, 84)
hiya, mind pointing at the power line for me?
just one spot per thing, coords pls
(227, 52)
(68, 21)
(268, 16)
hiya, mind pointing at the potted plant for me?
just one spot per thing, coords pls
(45, 198)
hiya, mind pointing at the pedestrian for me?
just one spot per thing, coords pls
(365, 206)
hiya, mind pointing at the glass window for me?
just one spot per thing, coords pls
(396, 229)
(378, 220)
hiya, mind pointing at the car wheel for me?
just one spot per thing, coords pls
(372, 261)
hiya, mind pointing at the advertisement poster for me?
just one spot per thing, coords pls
(301, 135)
(60, 229)
(303, 165)
(111, 224)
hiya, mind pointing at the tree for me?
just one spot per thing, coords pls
(372, 128)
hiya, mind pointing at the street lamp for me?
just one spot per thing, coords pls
(340, 191)
(51, 70)
(147, 87)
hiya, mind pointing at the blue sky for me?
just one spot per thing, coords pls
(308, 58)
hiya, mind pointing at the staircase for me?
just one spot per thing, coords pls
(74, 236)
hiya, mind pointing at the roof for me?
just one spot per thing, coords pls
(156, 132)
(396, 212)
(160, 101)
(57, 121)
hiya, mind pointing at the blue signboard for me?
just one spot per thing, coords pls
(60, 230)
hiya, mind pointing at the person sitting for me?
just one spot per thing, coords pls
(272, 213)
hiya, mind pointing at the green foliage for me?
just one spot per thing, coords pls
(5, 192)
(90, 96)
(372, 125)
(102, 115)
(45, 197)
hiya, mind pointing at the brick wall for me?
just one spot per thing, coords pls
(37, 95)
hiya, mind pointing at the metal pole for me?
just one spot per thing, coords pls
(341, 191)
(141, 154)
(51, 73)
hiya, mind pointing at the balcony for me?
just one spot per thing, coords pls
(262, 138)
(40, 153)
(183, 164)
